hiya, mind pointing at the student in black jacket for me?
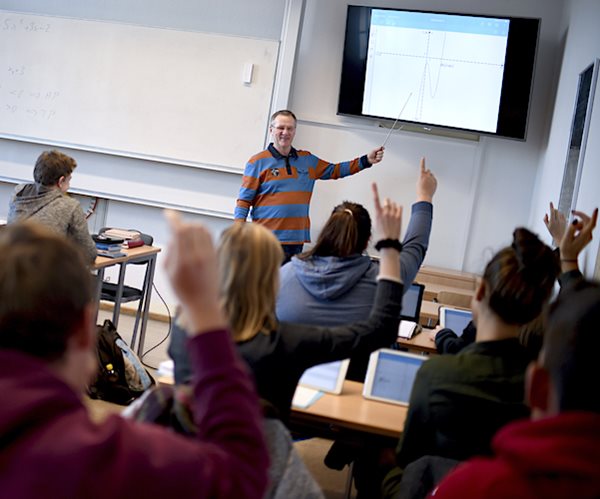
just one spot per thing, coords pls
(278, 353)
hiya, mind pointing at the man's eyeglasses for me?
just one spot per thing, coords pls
(283, 128)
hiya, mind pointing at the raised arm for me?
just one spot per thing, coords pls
(426, 184)
(324, 344)
(556, 223)
(226, 409)
(416, 239)
(389, 223)
(576, 237)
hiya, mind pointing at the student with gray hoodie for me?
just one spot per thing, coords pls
(46, 202)
(334, 282)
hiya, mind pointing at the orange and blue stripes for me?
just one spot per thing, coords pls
(279, 197)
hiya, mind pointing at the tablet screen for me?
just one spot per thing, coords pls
(391, 375)
(457, 320)
(411, 302)
(326, 377)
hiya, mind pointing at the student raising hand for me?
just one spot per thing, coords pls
(191, 264)
(576, 237)
(556, 224)
(389, 223)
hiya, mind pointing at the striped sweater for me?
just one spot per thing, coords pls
(279, 188)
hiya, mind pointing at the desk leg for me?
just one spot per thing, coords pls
(119, 294)
(99, 280)
(348, 488)
(148, 280)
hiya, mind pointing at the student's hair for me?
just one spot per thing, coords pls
(346, 232)
(283, 112)
(45, 285)
(51, 165)
(519, 279)
(571, 346)
(249, 261)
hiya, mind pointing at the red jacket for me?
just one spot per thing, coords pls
(49, 447)
(556, 457)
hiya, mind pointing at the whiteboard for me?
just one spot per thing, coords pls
(156, 93)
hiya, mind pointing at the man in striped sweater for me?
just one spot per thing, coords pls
(278, 184)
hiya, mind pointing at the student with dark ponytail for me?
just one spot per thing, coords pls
(334, 282)
(459, 401)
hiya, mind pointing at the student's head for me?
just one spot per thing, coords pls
(346, 232)
(46, 289)
(54, 169)
(564, 377)
(519, 279)
(283, 130)
(249, 261)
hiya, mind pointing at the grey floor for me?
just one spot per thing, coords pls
(312, 450)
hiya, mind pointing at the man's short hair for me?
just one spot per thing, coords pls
(45, 286)
(283, 112)
(571, 346)
(51, 165)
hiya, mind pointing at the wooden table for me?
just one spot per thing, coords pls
(141, 254)
(349, 412)
(420, 342)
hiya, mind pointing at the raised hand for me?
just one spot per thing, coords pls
(577, 236)
(426, 184)
(388, 216)
(556, 224)
(191, 264)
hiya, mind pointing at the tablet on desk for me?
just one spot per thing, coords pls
(411, 311)
(326, 377)
(455, 319)
(390, 375)
(411, 303)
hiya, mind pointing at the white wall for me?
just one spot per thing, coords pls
(484, 188)
(202, 194)
(581, 48)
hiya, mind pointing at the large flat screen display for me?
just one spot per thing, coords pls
(437, 69)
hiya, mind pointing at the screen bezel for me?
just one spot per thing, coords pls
(445, 310)
(421, 288)
(341, 376)
(372, 370)
(517, 83)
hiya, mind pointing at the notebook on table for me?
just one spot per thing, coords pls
(390, 375)
(411, 310)
(455, 319)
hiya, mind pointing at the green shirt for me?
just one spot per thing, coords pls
(458, 402)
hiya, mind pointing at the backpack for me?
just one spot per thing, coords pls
(121, 377)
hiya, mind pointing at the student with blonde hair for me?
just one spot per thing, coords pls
(278, 353)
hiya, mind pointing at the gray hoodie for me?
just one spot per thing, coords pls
(329, 291)
(50, 207)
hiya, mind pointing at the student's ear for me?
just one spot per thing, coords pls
(85, 336)
(480, 292)
(537, 388)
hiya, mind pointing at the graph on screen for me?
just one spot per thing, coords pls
(453, 65)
